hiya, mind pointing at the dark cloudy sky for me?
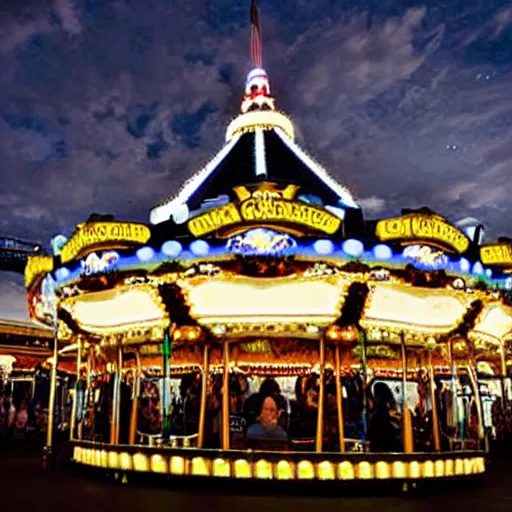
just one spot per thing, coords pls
(108, 106)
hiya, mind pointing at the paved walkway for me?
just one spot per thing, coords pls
(25, 489)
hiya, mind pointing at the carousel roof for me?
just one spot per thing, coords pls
(266, 153)
(260, 146)
(27, 329)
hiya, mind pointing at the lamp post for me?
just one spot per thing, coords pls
(48, 449)
(74, 407)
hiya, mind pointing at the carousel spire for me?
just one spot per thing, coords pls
(257, 87)
(256, 39)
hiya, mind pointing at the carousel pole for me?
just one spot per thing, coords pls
(503, 375)
(48, 449)
(435, 419)
(225, 397)
(339, 397)
(204, 391)
(166, 391)
(406, 413)
(118, 389)
(321, 398)
(135, 399)
(89, 390)
(454, 391)
(74, 407)
(473, 377)
(364, 365)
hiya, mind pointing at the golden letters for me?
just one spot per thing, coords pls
(266, 207)
(95, 233)
(37, 265)
(423, 227)
(496, 254)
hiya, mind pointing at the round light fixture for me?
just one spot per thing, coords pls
(171, 248)
(352, 247)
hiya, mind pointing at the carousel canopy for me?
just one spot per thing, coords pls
(495, 321)
(415, 309)
(111, 311)
(272, 300)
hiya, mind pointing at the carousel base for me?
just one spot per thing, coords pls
(252, 465)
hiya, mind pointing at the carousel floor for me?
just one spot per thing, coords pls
(25, 488)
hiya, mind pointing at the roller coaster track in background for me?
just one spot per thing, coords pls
(14, 253)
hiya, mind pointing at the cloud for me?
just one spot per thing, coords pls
(372, 205)
(502, 21)
(109, 107)
(13, 298)
(67, 12)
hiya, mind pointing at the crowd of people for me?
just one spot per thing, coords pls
(262, 413)
(23, 420)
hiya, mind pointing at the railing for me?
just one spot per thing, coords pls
(173, 441)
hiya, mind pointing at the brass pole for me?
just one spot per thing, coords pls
(339, 397)
(53, 390)
(113, 419)
(435, 420)
(454, 391)
(225, 397)
(204, 391)
(364, 366)
(135, 399)
(118, 385)
(74, 407)
(473, 377)
(503, 372)
(86, 394)
(116, 400)
(90, 391)
(321, 394)
(406, 413)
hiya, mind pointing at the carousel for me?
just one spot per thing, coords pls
(259, 327)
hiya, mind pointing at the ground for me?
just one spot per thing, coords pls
(24, 488)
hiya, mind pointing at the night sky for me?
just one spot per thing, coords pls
(107, 106)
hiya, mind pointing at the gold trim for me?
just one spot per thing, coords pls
(266, 120)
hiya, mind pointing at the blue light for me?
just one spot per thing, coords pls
(353, 247)
(145, 254)
(199, 248)
(172, 248)
(488, 273)
(57, 243)
(478, 268)
(323, 247)
(62, 273)
(382, 252)
(464, 265)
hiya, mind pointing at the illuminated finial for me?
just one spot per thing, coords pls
(257, 87)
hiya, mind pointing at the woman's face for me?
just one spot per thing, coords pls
(268, 415)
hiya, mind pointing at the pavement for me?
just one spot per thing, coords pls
(23, 487)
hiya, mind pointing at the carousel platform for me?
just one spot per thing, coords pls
(256, 465)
